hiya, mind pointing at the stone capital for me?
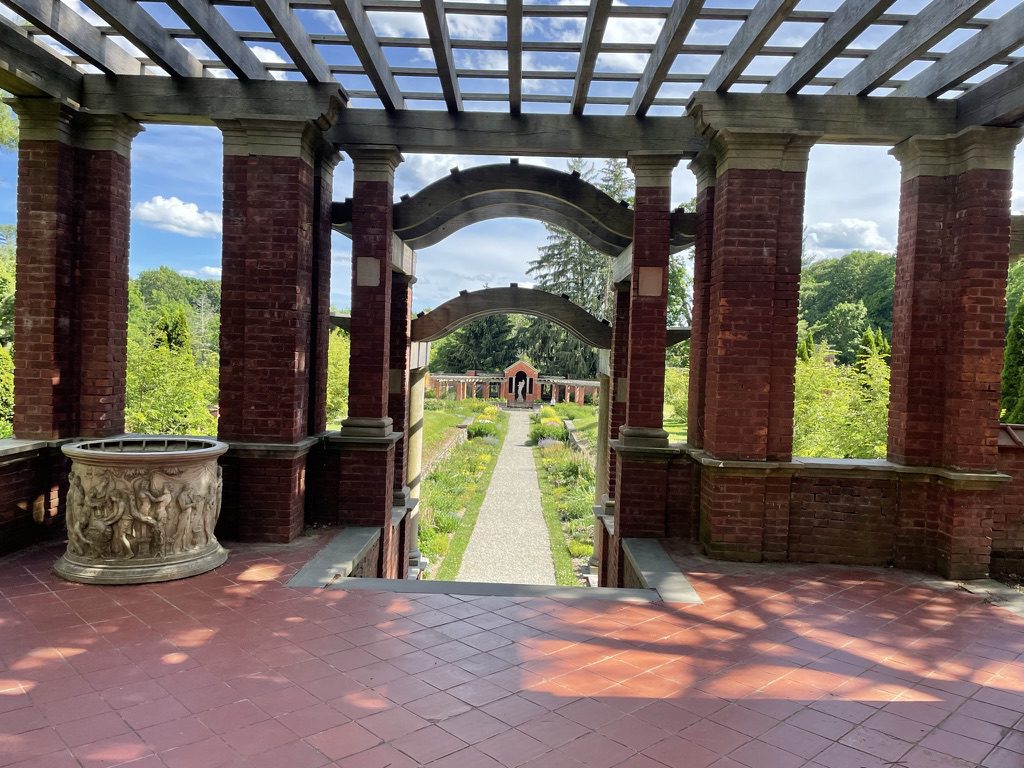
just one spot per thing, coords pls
(375, 163)
(653, 169)
(43, 120)
(271, 138)
(107, 132)
(975, 148)
(704, 168)
(761, 150)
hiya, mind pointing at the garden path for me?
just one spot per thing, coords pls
(510, 542)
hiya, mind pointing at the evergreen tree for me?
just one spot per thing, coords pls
(171, 329)
(1013, 370)
(487, 344)
(8, 126)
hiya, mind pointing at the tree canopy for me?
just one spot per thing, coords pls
(8, 127)
(865, 277)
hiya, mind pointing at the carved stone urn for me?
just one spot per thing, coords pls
(142, 509)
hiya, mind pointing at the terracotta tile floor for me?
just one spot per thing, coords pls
(780, 667)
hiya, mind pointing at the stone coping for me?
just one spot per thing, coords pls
(491, 589)
(658, 571)
(339, 558)
(12, 447)
(848, 466)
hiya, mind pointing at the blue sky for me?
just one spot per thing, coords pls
(852, 192)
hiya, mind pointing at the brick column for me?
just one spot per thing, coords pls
(618, 383)
(71, 314)
(414, 462)
(324, 161)
(642, 452)
(398, 377)
(753, 298)
(368, 436)
(269, 308)
(704, 169)
(948, 325)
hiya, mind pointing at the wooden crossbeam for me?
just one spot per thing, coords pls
(969, 58)
(364, 41)
(220, 37)
(142, 30)
(841, 29)
(29, 70)
(65, 25)
(514, 40)
(677, 26)
(440, 43)
(597, 22)
(764, 19)
(293, 38)
(997, 101)
(933, 23)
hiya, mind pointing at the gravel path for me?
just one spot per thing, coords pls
(510, 541)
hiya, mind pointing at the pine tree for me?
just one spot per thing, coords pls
(1013, 369)
(487, 344)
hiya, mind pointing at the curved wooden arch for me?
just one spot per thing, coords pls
(469, 306)
(472, 305)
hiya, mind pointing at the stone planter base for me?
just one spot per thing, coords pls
(142, 570)
(142, 509)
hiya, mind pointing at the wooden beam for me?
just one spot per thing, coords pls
(969, 58)
(933, 23)
(997, 101)
(837, 119)
(440, 43)
(29, 70)
(294, 39)
(129, 19)
(677, 26)
(63, 24)
(201, 101)
(764, 19)
(597, 22)
(220, 37)
(493, 133)
(364, 41)
(841, 29)
(514, 40)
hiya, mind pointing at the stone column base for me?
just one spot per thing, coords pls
(264, 491)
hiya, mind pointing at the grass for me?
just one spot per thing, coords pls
(567, 491)
(438, 428)
(451, 498)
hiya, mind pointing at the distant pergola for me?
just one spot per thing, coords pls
(56, 48)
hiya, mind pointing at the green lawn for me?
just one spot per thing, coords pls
(438, 427)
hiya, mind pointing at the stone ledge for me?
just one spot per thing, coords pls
(487, 589)
(338, 441)
(658, 571)
(338, 559)
(271, 450)
(865, 468)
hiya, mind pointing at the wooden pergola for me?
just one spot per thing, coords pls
(289, 84)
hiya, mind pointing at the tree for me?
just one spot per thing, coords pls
(1013, 370)
(8, 127)
(6, 392)
(339, 346)
(842, 328)
(8, 262)
(867, 277)
(486, 344)
(171, 328)
(1014, 289)
(168, 393)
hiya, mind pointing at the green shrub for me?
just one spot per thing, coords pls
(677, 391)
(482, 428)
(548, 431)
(580, 548)
(446, 521)
(548, 412)
(571, 411)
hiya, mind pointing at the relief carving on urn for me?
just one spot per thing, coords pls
(142, 509)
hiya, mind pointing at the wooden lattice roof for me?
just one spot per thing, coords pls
(604, 57)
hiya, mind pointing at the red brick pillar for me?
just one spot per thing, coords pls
(751, 341)
(642, 452)
(269, 308)
(398, 404)
(368, 435)
(617, 358)
(948, 326)
(324, 161)
(71, 314)
(704, 169)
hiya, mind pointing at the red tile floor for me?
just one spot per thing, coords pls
(780, 667)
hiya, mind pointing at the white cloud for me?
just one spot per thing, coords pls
(268, 56)
(396, 24)
(202, 272)
(834, 238)
(172, 214)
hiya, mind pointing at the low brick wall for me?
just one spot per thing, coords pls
(1008, 510)
(33, 487)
